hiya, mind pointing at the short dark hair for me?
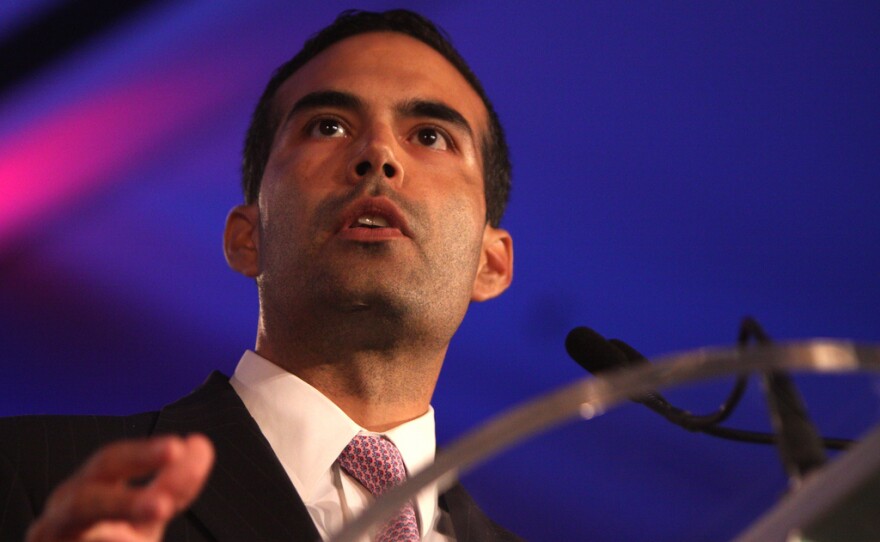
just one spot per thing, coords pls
(261, 132)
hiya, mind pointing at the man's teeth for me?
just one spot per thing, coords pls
(373, 221)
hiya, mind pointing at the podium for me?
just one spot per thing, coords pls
(838, 502)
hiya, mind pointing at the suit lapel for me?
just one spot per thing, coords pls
(458, 504)
(468, 521)
(248, 495)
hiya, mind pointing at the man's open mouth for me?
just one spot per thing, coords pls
(373, 214)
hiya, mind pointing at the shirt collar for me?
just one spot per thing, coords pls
(416, 442)
(307, 431)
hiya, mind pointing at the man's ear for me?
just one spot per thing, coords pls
(496, 264)
(241, 240)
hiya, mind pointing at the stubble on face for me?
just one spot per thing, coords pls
(373, 298)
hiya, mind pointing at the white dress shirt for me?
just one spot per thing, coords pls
(307, 432)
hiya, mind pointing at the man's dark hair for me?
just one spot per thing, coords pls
(261, 133)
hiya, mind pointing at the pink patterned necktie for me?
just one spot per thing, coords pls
(376, 463)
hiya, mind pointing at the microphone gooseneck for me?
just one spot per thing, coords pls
(798, 441)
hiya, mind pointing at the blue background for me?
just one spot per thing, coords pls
(677, 166)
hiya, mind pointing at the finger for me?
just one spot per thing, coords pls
(101, 492)
(78, 505)
(182, 479)
(111, 531)
(128, 459)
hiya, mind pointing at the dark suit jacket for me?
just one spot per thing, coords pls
(248, 495)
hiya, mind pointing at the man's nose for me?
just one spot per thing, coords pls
(376, 157)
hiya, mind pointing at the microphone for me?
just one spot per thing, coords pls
(592, 352)
(597, 355)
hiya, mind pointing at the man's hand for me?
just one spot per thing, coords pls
(104, 501)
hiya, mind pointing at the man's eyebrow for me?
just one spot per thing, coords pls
(326, 98)
(434, 110)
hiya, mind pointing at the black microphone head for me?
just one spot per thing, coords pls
(592, 352)
(633, 356)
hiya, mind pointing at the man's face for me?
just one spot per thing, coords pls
(372, 199)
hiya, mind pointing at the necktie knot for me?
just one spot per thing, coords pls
(373, 461)
(376, 463)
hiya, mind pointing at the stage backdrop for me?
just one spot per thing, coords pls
(677, 166)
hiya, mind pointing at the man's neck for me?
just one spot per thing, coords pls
(378, 390)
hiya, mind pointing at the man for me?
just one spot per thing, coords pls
(375, 176)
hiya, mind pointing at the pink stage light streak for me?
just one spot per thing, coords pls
(74, 150)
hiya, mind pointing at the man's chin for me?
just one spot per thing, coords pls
(377, 305)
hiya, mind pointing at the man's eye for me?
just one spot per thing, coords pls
(432, 138)
(327, 128)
